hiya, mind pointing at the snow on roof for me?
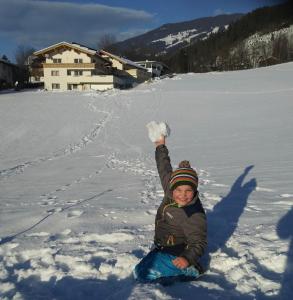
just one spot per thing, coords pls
(152, 62)
(147, 61)
(83, 46)
(71, 45)
(123, 60)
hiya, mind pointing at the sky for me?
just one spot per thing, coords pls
(40, 23)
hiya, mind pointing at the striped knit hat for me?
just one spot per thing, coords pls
(184, 175)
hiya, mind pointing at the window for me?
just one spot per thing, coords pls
(78, 60)
(57, 60)
(54, 73)
(55, 86)
(71, 86)
(74, 72)
(77, 72)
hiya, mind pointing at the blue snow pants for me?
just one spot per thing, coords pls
(157, 266)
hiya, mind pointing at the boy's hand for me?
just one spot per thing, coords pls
(161, 141)
(180, 262)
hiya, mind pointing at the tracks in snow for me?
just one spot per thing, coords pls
(70, 149)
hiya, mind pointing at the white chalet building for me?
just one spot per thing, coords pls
(71, 66)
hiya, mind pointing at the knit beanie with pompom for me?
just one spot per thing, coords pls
(184, 175)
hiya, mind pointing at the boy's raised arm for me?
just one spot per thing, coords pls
(163, 164)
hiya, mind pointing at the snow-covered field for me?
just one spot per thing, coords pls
(79, 188)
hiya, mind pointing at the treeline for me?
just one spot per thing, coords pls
(20, 69)
(225, 50)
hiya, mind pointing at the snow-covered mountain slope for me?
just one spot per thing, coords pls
(79, 187)
(187, 36)
(264, 39)
(170, 37)
(261, 46)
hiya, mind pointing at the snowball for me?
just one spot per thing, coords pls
(156, 130)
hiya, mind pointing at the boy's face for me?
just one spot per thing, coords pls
(183, 194)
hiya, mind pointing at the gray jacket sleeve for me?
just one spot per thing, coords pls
(164, 167)
(195, 230)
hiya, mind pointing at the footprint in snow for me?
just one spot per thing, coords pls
(54, 210)
(66, 231)
(212, 197)
(72, 201)
(38, 234)
(151, 212)
(252, 208)
(286, 196)
(61, 189)
(74, 214)
(261, 189)
(46, 203)
(220, 185)
(204, 181)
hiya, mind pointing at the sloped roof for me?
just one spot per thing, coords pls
(123, 60)
(76, 46)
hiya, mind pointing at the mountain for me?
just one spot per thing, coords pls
(170, 37)
(259, 38)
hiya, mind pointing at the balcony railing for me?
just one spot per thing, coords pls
(71, 65)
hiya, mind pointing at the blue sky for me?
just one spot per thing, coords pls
(40, 23)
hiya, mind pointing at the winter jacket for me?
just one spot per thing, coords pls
(180, 231)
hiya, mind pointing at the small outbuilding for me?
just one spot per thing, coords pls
(156, 68)
(7, 74)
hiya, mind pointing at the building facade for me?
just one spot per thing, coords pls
(7, 74)
(127, 68)
(71, 66)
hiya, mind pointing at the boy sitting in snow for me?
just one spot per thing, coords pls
(180, 229)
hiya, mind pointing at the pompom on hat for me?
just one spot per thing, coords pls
(184, 175)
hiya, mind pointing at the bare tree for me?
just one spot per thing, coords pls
(281, 48)
(4, 57)
(22, 53)
(107, 41)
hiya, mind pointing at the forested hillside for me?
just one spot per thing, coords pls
(262, 37)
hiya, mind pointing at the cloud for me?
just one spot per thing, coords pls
(41, 23)
(219, 11)
(124, 35)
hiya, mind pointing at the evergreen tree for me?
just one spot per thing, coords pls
(4, 57)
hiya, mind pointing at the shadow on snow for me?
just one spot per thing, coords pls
(223, 219)
(73, 288)
(285, 231)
